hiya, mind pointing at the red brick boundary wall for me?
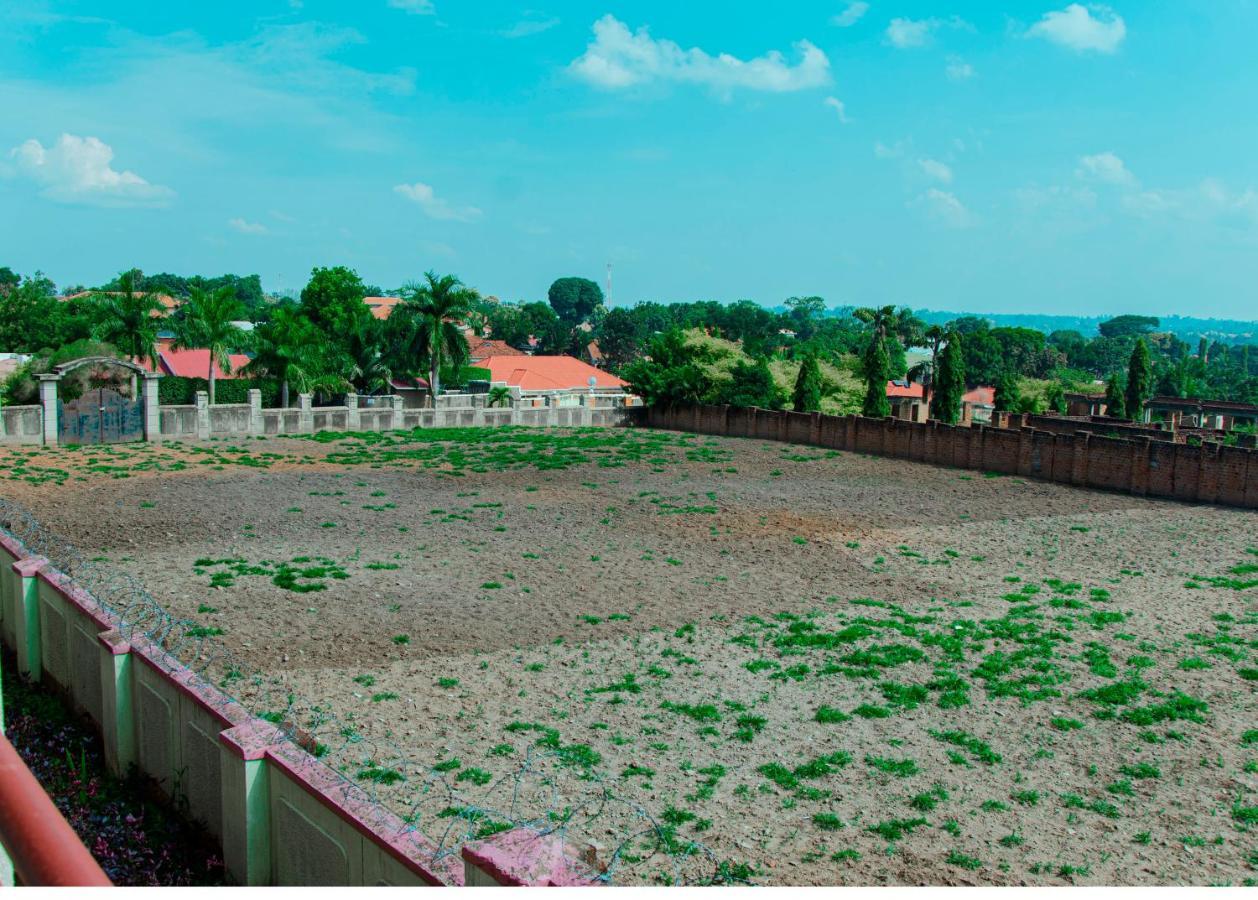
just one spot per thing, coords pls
(1146, 468)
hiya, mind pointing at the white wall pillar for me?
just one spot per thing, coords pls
(353, 421)
(152, 408)
(256, 423)
(48, 400)
(203, 415)
(305, 414)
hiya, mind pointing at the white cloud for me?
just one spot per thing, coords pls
(936, 170)
(892, 151)
(1106, 168)
(837, 105)
(907, 33)
(77, 170)
(618, 58)
(245, 227)
(414, 7)
(531, 24)
(904, 33)
(435, 207)
(1078, 28)
(852, 13)
(945, 208)
(958, 69)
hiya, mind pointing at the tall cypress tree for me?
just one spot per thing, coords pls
(1139, 380)
(807, 395)
(877, 374)
(1115, 402)
(950, 385)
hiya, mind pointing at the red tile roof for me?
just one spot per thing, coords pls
(483, 348)
(898, 389)
(192, 363)
(984, 395)
(548, 373)
(381, 307)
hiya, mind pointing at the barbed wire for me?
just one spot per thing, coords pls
(549, 793)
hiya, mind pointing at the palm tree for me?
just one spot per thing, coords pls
(369, 371)
(207, 322)
(438, 305)
(499, 396)
(291, 349)
(128, 319)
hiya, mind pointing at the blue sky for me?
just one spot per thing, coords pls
(1015, 157)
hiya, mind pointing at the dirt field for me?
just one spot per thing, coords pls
(709, 658)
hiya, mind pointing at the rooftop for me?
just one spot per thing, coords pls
(549, 373)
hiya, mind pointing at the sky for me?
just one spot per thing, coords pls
(1019, 156)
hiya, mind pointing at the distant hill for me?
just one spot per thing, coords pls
(1186, 328)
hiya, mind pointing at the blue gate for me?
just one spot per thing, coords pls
(100, 416)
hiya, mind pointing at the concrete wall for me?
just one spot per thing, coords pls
(280, 816)
(22, 425)
(1209, 474)
(201, 421)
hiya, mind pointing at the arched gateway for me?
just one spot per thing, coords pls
(101, 415)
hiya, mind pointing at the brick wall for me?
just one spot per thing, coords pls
(1135, 464)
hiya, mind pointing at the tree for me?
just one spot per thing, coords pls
(1115, 401)
(1008, 394)
(1139, 381)
(619, 337)
(290, 349)
(499, 396)
(438, 305)
(369, 370)
(333, 301)
(206, 322)
(1128, 326)
(950, 383)
(752, 384)
(1055, 397)
(129, 320)
(575, 299)
(808, 386)
(33, 319)
(877, 371)
(669, 375)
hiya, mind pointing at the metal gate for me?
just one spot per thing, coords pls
(100, 416)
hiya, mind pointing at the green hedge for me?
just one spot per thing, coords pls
(176, 391)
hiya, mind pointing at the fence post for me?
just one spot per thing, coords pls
(395, 404)
(48, 402)
(203, 415)
(305, 414)
(246, 800)
(256, 423)
(117, 720)
(26, 617)
(152, 407)
(353, 420)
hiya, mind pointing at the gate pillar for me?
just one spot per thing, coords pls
(152, 410)
(48, 400)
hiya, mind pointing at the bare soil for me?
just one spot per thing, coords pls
(717, 658)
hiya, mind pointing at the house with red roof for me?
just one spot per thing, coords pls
(549, 374)
(909, 402)
(192, 363)
(382, 307)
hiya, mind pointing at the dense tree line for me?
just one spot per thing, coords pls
(327, 340)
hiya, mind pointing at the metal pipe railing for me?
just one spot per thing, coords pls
(43, 847)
